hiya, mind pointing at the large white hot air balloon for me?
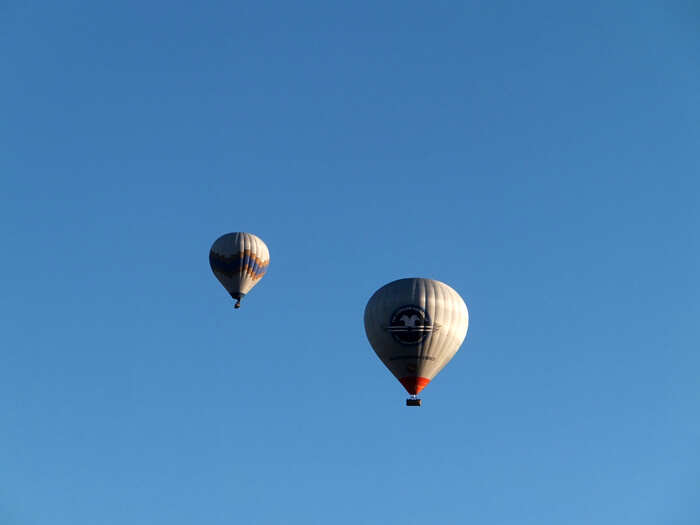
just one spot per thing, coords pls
(415, 327)
(239, 260)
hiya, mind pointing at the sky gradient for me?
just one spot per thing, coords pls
(541, 158)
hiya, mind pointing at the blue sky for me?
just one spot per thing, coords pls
(541, 158)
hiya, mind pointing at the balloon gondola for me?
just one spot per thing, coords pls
(413, 401)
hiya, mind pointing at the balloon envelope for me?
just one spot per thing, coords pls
(415, 327)
(239, 260)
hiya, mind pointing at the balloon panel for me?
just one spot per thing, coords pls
(415, 327)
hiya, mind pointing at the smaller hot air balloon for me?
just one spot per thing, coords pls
(239, 260)
(415, 327)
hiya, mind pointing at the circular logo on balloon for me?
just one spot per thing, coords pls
(410, 325)
(412, 368)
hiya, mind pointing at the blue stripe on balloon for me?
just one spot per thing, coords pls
(237, 264)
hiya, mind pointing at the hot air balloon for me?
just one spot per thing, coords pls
(239, 260)
(415, 327)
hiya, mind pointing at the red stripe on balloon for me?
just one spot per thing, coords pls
(414, 385)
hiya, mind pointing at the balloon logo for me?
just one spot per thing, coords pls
(239, 261)
(415, 327)
(410, 325)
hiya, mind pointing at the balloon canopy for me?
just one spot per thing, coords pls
(415, 327)
(239, 260)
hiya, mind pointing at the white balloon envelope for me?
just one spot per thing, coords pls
(239, 260)
(415, 327)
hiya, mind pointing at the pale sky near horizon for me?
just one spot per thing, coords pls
(541, 158)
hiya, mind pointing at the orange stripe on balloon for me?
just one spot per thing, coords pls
(414, 385)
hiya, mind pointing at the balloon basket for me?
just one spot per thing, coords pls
(413, 402)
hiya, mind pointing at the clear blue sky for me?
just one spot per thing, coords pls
(541, 158)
